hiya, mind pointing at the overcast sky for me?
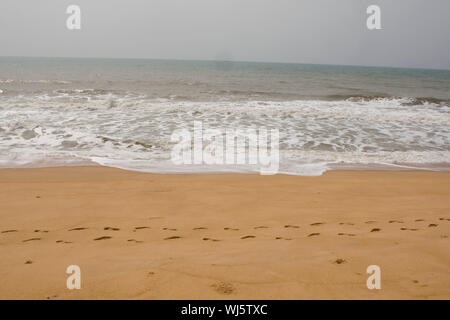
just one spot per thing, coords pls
(415, 33)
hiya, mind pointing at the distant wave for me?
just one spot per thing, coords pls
(34, 81)
(407, 101)
(218, 95)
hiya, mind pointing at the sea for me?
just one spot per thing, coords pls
(122, 112)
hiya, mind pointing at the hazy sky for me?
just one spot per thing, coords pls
(415, 33)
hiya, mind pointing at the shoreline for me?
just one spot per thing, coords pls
(191, 170)
(223, 236)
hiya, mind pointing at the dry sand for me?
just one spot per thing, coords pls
(150, 236)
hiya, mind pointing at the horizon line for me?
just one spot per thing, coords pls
(237, 61)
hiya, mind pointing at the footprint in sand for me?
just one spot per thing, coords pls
(419, 220)
(346, 234)
(340, 261)
(172, 238)
(210, 239)
(8, 231)
(395, 221)
(248, 237)
(44, 231)
(432, 225)
(200, 228)
(317, 223)
(314, 234)
(282, 238)
(404, 229)
(111, 228)
(347, 223)
(32, 239)
(140, 228)
(261, 227)
(375, 230)
(28, 262)
(134, 240)
(370, 222)
(170, 229)
(291, 226)
(230, 229)
(77, 229)
(102, 238)
(224, 288)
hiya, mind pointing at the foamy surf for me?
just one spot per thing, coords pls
(121, 113)
(133, 133)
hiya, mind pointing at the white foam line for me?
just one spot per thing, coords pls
(408, 167)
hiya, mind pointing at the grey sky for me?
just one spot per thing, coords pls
(416, 33)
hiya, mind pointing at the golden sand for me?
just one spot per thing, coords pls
(205, 236)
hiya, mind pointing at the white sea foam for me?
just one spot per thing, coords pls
(132, 131)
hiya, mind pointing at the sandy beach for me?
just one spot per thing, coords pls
(228, 236)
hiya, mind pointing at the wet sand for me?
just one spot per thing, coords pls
(223, 236)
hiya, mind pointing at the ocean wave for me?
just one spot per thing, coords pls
(406, 101)
(127, 130)
(19, 81)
